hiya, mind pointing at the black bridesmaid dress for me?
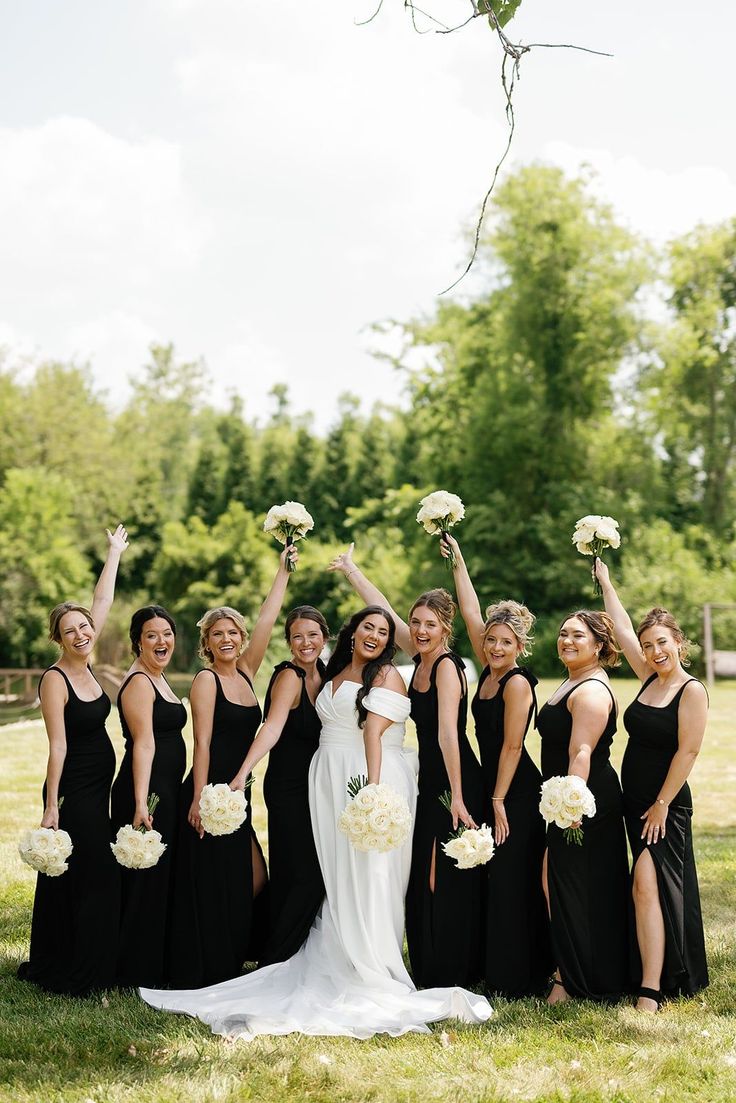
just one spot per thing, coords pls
(518, 952)
(653, 741)
(295, 880)
(146, 893)
(213, 911)
(443, 928)
(588, 884)
(75, 916)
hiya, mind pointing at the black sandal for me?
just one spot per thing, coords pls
(653, 994)
(554, 981)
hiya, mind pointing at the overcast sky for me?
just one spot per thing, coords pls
(259, 181)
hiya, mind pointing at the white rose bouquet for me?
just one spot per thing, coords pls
(593, 534)
(288, 522)
(46, 850)
(468, 846)
(376, 817)
(222, 809)
(438, 512)
(137, 848)
(565, 800)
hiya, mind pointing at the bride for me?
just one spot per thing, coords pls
(349, 977)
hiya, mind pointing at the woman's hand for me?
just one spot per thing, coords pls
(118, 540)
(343, 562)
(599, 570)
(238, 782)
(448, 546)
(194, 817)
(460, 814)
(655, 821)
(143, 818)
(51, 817)
(501, 830)
(289, 555)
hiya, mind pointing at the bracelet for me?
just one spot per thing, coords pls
(498, 798)
(354, 571)
(666, 803)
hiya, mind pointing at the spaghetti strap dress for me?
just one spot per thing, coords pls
(213, 906)
(653, 741)
(443, 928)
(75, 916)
(146, 893)
(588, 884)
(296, 886)
(518, 951)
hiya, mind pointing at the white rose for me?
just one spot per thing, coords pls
(607, 529)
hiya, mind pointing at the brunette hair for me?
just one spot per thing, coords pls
(305, 612)
(342, 655)
(139, 618)
(664, 618)
(61, 610)
(600, 625)
(518, 618)
(441, 604)
(205, 623)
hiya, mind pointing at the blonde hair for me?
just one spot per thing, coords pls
(664, 618)
(209, 618)
(61, 610)
(518, 618)
(441, 604)
(600, 625)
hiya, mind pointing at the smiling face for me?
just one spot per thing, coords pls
(370, 638)
(224, 640)
(577, 647)
(306, 641)
(76, 635)
(427, 633)
(156, 643)
(501, 648)
(660, 648)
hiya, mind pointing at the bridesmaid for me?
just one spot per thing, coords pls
(219, 877)
(152, 719)
(290, 736)
(443, 903)
(586, 885)
(666, 724)
(75, 916)
(518, 954)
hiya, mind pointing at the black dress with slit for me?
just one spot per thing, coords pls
(653, 741)
(146, 893)
(74, 932)
(296, 888)
(214, 912)
(588, 884)
(443, 928)
(518, 952)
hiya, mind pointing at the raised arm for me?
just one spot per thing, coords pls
(692, 714)
(370, 594)
(466, 597)
(623, 627)
(138, 709)
(517, 701)
(104, 593)
(202, 697)
(54, 695)
(252, 657)
(284, 697)
(589, 707)
(449, 692)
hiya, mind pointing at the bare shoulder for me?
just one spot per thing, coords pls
(388, 677)
(53, 686)
(448, 676)
(204, 685)
(592, 694)
(138, 690)
(517, 690)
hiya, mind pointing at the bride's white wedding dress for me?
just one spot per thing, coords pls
(349, 976)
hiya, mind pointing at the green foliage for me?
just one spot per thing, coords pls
(40, 561)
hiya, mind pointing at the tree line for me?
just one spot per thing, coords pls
(587, 373)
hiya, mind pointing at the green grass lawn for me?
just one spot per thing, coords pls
(115, 1049)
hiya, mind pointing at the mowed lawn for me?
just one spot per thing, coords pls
(113, 1049)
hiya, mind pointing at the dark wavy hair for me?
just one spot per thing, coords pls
(139, 618)
(342, 655)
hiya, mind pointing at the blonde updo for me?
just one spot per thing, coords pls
(441, 604)
(518, 618)
(666, 620)
(600, 625)
(60, 611)
(209, 618)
